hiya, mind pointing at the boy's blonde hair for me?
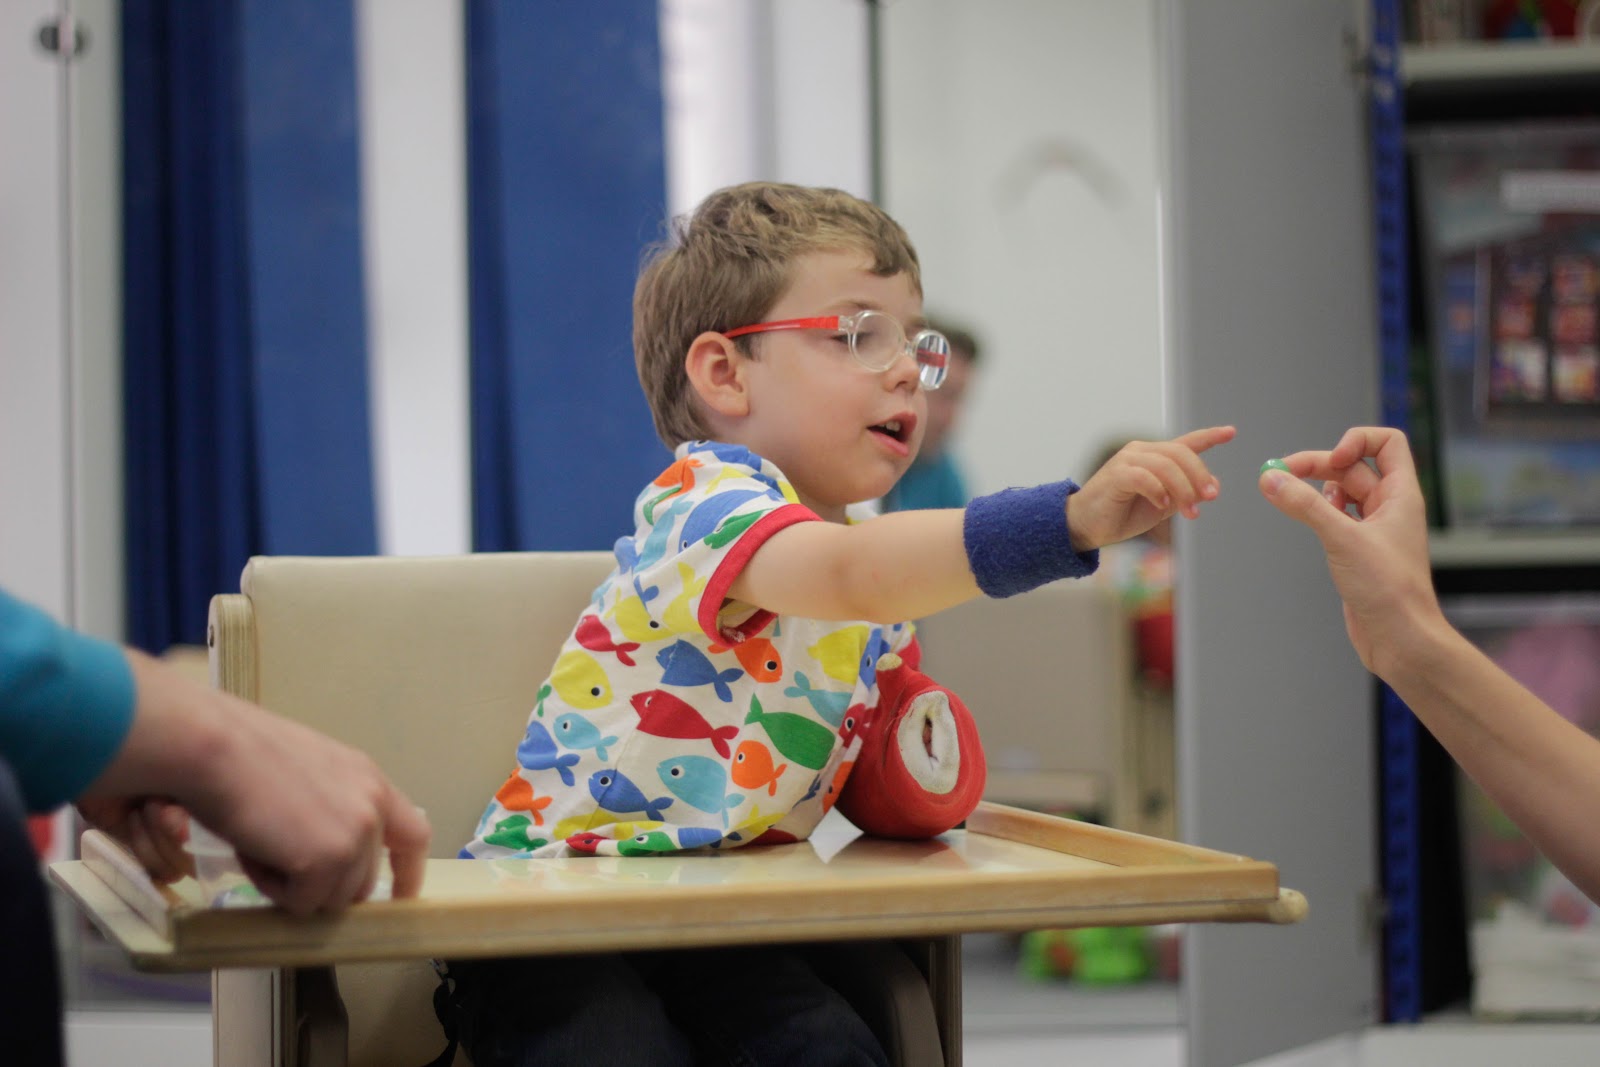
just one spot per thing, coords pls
(728, 263)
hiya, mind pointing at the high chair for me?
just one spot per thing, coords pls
(431, 665)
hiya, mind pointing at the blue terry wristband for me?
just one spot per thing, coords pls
(1017, 539)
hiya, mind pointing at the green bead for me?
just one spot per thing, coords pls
(1274, 465)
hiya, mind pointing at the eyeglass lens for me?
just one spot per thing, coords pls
(878, 341)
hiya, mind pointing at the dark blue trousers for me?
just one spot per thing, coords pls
(736, 1007)
(30, 989)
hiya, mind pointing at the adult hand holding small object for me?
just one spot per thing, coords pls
(1379, 556)
(1540, 769)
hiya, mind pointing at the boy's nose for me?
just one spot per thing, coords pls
(903, 371)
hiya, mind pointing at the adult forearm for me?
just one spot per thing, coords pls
(66, 702)
(179, 742)
(1540, 769)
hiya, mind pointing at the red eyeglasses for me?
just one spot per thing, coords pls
(876, 341)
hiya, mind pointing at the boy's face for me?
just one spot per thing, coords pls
(841, 432)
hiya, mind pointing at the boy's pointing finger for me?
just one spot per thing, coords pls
(1210, 437)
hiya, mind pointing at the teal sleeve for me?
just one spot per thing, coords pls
(932, 483)
(66, 704)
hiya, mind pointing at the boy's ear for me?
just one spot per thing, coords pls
(715, 367)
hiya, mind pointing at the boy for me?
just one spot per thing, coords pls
(714, 692)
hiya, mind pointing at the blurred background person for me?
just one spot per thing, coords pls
(935, 479)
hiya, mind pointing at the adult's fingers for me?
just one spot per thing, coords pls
(167, 828)
(1358, 481)
(1385, 444)
(1299, 501)
(406, 832)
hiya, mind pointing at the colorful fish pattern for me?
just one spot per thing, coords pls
(682, 664)
(753, 767)
(677, 718)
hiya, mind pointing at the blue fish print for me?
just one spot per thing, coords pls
(685, 665)
(831, 706)
(660, 538)
(696, 836)
(645, 595)
(613, 791)
(576, 732)
(877, 645)
(704, 519)
(538, 752)
(627, 554)
(700, 782)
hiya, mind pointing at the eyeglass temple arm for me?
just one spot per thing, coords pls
(826, 322)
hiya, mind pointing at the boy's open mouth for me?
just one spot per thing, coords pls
(896, 428)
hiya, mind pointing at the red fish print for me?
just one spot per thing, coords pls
(593, 635)
(517, 795)
(850, 725)
(752, 767)
(585, 842)
(664, 715)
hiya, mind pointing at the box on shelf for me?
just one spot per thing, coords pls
(1535, 939)
(1443, 21)
(1510, 221)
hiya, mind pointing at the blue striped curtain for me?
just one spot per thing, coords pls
(566, 186)
(246, 426)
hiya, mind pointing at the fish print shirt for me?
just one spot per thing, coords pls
(674, 717)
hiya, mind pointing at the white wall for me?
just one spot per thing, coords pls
(60, 416)
(764, 89)
(34, 542)
(1021, 157)
(413, 200)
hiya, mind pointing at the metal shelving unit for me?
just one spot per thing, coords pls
(1461, 549)
(1495, 62)
(1450, 80)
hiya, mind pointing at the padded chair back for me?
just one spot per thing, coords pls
(430, 665)
(1048, 676)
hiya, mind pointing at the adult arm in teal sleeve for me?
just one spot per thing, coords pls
(66, 704)
(139, 748)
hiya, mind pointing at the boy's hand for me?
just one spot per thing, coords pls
(1144, 483)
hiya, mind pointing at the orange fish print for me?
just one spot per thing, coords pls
(760, 659)
(679, 473)
(752, 767)
(677, 478)
(517, 795)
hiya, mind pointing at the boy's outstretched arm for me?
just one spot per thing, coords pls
(910, 564)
